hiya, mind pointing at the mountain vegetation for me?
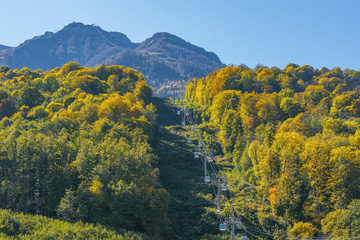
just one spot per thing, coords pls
(89, 153)
(162, 58)
(290, 138)
(75, 144)
(35, 227)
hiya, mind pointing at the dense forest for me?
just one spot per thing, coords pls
(75, 144)
(290, 141)
(88, 153)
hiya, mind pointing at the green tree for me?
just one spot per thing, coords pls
(231, 131)
(343, 223)
(317, 166)
(7, 105)
(29, 96)
(143, 91)
(290, 107)
(291, 188)
(89, 84)
(314, 94)
(226, 100)
(302, 230)
(345, 176)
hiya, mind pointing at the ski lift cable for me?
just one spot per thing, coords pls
(252, 234)
(216, 166)
(247, 228)
(213, 170)
(214, 190)
(279, 236)
(261, 231)
(216, 169)
(213, 166)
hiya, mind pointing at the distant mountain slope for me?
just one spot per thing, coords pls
(87, 44)
(167, 57)
(163, 57)
(2, 47)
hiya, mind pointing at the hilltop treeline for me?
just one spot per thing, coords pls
(292, 140)
(75, 144)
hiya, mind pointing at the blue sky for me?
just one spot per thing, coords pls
(270, 32)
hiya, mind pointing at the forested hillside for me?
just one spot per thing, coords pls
(75, 144)
(291, 139)
(82, 155)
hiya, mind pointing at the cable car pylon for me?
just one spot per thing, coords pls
(229, 224)
(207, 177)
(219, 195)
(203, 152)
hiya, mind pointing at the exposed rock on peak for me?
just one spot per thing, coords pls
(161, 39)
(160, 58)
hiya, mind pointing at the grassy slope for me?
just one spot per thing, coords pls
(26, 226)
(182, 176)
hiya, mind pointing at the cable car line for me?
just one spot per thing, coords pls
(204, 154)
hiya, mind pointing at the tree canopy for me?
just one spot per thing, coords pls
(75, 144)
(289, 137)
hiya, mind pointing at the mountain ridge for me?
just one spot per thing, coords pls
(2, 47)
(161, 58)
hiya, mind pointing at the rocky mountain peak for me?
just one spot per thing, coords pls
(164, 40)
(161, 58)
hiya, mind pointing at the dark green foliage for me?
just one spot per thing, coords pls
(4, 69)
(343, 223)
(29, 96)
(68, 101)
(89, 84)
(7, 105)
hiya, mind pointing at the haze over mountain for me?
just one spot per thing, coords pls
(163, 57)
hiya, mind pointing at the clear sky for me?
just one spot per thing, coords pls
(270, 32)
